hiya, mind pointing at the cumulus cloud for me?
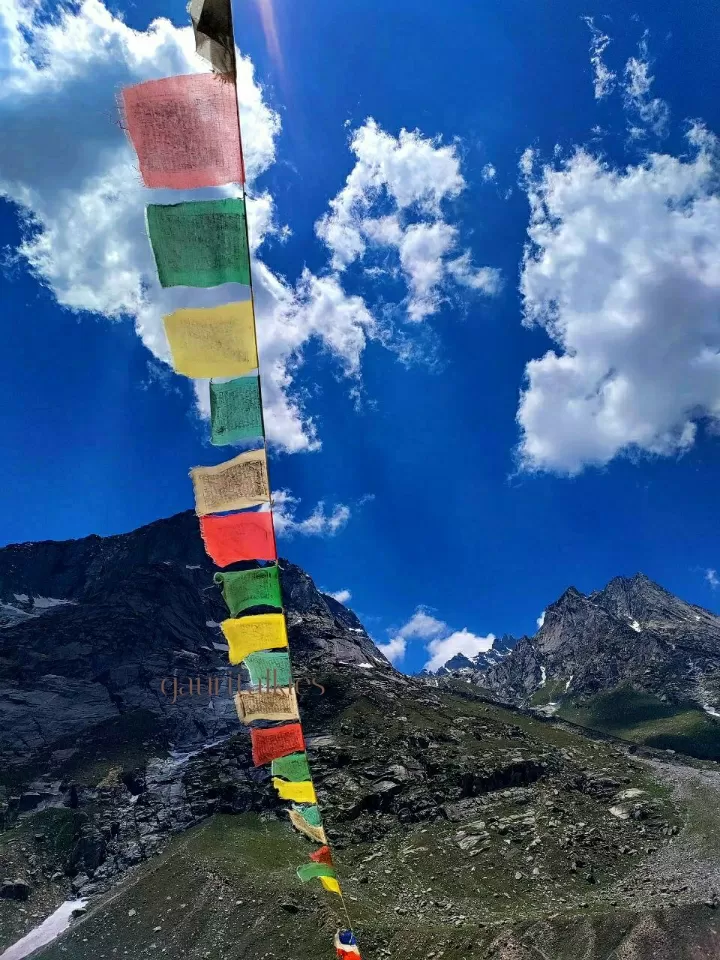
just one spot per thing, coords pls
(421, 625)
(712, 578)
(393, 199)
(319, 523)
(462, 641)
(342, 596)
(67, 165)
(603, 78)
(622, 271)
(394, 651)
(650, 112)
(489, 172)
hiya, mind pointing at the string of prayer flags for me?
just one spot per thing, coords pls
(270, 743)
(200, 243)
(185, 131)
(293, 767)
(233, 485)
(239, 536)
(346, 945)
(264, 631)
(235, 410)
(280, 704)
(271, 668)
(303, 792)
(311, 871)
(214, 342)
(245, 589)
(212, 25)
(323, 855)
(299, 819)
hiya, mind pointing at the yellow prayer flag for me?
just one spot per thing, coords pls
(246, 635)
(234, 485)
(214, 341)
(303, 792)
(331, 884)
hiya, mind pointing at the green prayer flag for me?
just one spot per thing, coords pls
(308, 871)
(294, 767)
(200, 243)
(269, 669)
(235, 412)
(311, 814)
(250, 588)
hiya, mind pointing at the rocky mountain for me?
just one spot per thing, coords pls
(461, 828)
(469, 668)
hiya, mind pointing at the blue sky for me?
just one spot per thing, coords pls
(409, 481)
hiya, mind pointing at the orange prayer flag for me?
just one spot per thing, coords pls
(272, 743)
(238, 536)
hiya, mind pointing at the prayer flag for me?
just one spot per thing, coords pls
(346, 944)
(294, 767)
(271, 668)
(273, 742)
(212, 25)
(213, 341)
(268, 705)
(299, 792)
(200, 243)
(310, 871)
(233, 485)
(235, 410)
(331, 884)
(313, 831)
(239, 536)
(251, 588)
(185, 131)
(264, 631)
(323, 855)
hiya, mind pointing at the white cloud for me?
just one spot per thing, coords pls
(712, 578)
(462, 641)
(603, 78)
(318, 524)
(541, 619)
(421, 625)
(623, 273)
(342, 596)
(651, 111)
(394, 651)
(393, 199)
(489, 172)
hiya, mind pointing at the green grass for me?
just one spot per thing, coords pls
(550, 692)
(645, 719)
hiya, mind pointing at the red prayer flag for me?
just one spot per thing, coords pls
(323, 855)
(272, 743)
(238, 536)
(185, 131)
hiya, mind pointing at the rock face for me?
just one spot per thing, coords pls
(91, 628)
(632, 632)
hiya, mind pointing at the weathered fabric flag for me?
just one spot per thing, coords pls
(295, 767)
(269, 669)
(234, 485)
(214, 342)
(235, 411)
(267, 705)
(323, 855)
(311, 871)
(301, 817)
(185, 131)
(201, 243)
(298, 792)
(251, 588)
(212, 24)
(274, 742)
(331, 885)
(346, 945)
(240, 536)
(263, 631)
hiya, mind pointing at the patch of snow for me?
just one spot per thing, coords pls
(711, 710)
(211, 623)
(192, 566)
(548, 710)
(45, 933)
(221, 646)
(356, 630)
(43, 603)
(543, 676)
(636, 626)
(567, 685)
(697, 617)
(23, 598)
(366, 666)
